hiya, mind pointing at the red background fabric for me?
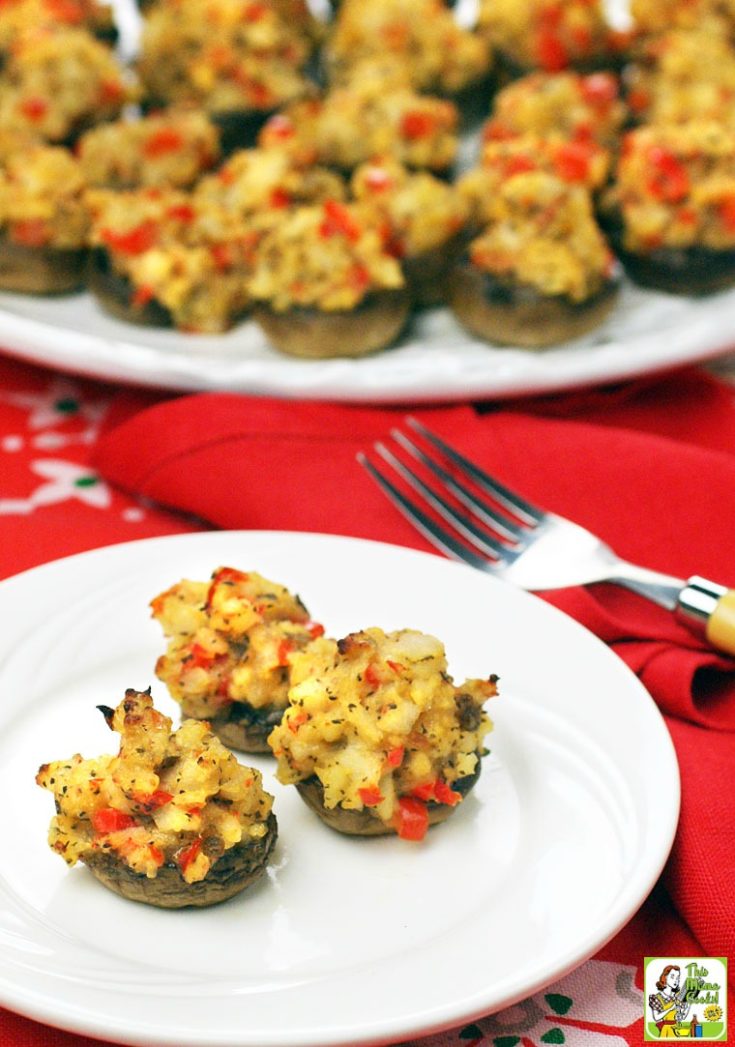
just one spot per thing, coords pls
(649, 466)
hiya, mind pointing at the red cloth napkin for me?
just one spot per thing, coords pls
(651, 468)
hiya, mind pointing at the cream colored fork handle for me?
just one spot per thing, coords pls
(720, 630)
(712, 607)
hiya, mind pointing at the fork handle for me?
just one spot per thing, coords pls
(711, 608)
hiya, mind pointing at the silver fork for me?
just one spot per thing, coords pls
(492, 528)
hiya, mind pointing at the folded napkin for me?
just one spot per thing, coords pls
(649, 467)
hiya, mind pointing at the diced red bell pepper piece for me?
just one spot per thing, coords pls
(411, 819)
(519, 165)
(669, 179)
(438, 791)
(279, 199)
(550, 52)
(392, 243)
(582, 38)
(152, 801)
(229, 574)
(135, 241)
(142, 296)
(371, 676)
(225, 575)
(111, 92)
(254, 12)
(31, 232)
(638, 99)
(188, 854)
(294, 722)
(165, 140)
(395, 757)
(371, 795)
(67, 11)
(181, 213)
(359, 278)
(572, 161)
(395, 34)
(550, 14)
(258, 93)
(416, 124)
(222, 256)
(495, 131)
(34, 108)
(443, 793)
(285, 647)
(199, 658)
(156, 854)
(338, 221)
(110, 820)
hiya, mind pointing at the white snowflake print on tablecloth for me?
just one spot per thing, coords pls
(60, 402)
(59, 415)
(64, 481)
(595, 1006)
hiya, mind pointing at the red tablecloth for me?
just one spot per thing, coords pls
(651, 466)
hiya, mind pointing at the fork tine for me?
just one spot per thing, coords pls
(480, 539)
(431, 530)
(504, 526)
(525, 510)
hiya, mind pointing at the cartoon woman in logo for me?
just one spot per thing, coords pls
(669, 1006)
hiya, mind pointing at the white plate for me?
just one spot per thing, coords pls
(435, 361)
(346, 941)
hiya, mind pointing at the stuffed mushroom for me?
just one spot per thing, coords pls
(163, 257)
(376, 113)
(173, 820)
(18, 16)
(422, 37)
(44, 222)
(377, 738)
(670, 214)
(238, 61)
(231, 642)
(421, 219)
(550, 34)
(681, 75)
(566, 105)
(57, 82)
(541, 272)
(325, 285)
(172, 148)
